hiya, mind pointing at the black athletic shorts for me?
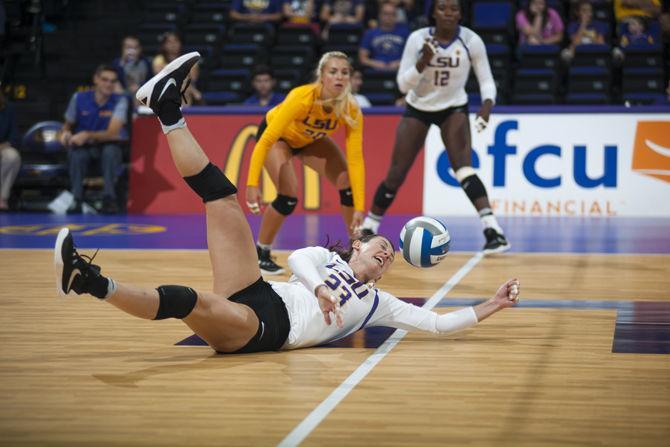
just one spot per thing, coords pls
(261, 128)
(271, 312)
(436, 118)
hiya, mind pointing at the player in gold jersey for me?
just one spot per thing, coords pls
(301, 127)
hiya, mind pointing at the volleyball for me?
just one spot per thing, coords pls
(424, 241)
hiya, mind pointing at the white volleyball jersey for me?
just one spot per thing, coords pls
(362, 305)
(442, 83)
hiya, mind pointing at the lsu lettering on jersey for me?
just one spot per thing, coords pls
(442, 83)
(362, 306)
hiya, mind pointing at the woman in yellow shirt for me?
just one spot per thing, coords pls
(301, 126)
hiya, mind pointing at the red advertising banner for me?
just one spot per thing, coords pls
(157, 188)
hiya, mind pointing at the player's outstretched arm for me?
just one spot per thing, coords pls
(507, 295)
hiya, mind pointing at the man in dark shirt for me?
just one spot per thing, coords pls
(263, 84)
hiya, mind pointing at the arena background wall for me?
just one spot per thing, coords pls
(551, 161)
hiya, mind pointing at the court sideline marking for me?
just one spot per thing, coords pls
(302, 430)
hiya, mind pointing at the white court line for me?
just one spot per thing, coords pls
(302, 430)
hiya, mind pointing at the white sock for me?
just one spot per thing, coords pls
(489, 220)
(178, 125)
(111, 287)
(372, 222)
(267, 247)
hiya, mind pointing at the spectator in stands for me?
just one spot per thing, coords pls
(356, 83)
(250, 11)
(299, 12)
(171, 48)
(538, 24)
(381, 48)
(625, 9)
(636, 34)
(404, 11)
(584, 30)
(132, 69)
(341, 12)
(10, 160)
(263, 83)
(94, 129)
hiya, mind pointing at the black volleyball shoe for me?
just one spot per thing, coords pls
(495, 242)
(75, 272)
(167, 87)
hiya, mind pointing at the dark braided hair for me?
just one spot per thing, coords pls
(430, 9)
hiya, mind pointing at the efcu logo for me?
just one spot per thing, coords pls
(651, 155)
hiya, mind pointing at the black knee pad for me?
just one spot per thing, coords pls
(473, 187)
(384, 196)
(346, 197)
(211, 184)
(175, 302)
(284, 204)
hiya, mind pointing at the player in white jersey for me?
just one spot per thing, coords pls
(244, 313)
(433, 71)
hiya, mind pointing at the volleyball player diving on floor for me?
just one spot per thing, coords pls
(301, 127)
(330, 295)
(433, 72)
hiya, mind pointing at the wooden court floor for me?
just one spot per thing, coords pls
(76, 371)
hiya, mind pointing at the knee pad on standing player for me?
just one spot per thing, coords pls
(284, 204)
(384, 196)
(472, 185)
(211, 184)
(346, 197)
(175, 302)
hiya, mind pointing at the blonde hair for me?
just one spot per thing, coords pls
(342, 101)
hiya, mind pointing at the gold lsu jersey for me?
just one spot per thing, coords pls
(300, 120)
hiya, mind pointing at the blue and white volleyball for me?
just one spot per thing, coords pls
(424, 241)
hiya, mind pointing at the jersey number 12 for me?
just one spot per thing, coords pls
(441, 78)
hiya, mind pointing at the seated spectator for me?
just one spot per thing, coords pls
(94, 129)
(356, 83)
(341, 12)
(250, 11)
(584, 30)
(299, 12)
(132, 69)
(636, 34)
(625, 9)
(263, 83)
(381, 48)
(10, 160)
(405, 11)
(539, 25)
(171, 49)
